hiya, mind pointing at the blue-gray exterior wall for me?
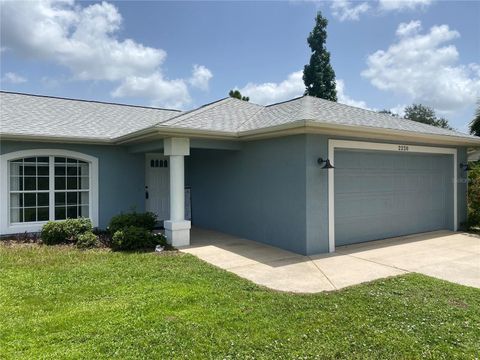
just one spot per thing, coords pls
(271, 191)
(257, 192)
(121, 183)
(317, 234)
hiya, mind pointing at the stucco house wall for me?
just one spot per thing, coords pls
(317, 231)
(121, 183)
(274, 191)
(257, 192)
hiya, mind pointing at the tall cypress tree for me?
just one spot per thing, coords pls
(318, 75)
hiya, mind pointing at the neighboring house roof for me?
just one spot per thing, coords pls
(35, 115)
(32, 115)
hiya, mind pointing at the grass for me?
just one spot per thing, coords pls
(59, 302)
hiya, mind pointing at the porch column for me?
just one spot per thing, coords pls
(177, 229)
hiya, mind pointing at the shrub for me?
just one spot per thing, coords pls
(474, 195)
(145, 220)
(58, 232)
(133, 238)
(53, 232)
(160, 239)
(75, 227)
(87, 240)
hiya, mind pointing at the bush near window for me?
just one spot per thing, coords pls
(87, 240)
(59, 232)
(75, 227)
(145, 220)
(53, 233)
(133, 238)
(474, 195)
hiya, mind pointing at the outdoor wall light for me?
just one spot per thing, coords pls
(465, 166)
(328, 164)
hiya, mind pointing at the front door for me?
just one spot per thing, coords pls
(157, 185)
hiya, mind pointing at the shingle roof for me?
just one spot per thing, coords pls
(225, 115)
(329, 112)
(233, 115)
(34, 115)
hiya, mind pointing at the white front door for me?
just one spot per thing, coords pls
(157, 185)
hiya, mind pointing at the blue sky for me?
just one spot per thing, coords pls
(386, 54)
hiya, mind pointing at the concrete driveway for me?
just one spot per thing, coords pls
(442, 254)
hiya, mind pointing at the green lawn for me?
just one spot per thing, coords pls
(58, 302)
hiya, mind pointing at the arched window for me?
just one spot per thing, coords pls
(43, 185)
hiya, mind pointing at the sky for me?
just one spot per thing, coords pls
(386, 54)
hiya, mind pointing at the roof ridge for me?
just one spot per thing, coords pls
(197, 110)
(262, 108)
(286, 101)
(88, 101)
(265, 107)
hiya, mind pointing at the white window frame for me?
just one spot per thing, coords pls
(6, 227)
(402, 148)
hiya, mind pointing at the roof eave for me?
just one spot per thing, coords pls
(170, 131)
(310, 126)
(54, 139)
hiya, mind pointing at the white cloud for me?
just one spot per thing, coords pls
(352, 10)
(408, 29)
(85, 40)
(200, 77)
(425, 69)
(13, 78)
(345, 10)
(399, 110)
(167, 93)
(293, 86)
(268, 93)
(347, 100)
(390, 5)
(82, 39)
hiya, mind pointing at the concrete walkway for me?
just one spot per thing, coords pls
(443, 254)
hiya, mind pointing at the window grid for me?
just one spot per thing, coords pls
(29, 189)
(71, 188)
(34, 187)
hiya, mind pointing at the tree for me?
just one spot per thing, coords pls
(238, 95)
(426, 115)
(388, 112)
(475, 124)
(318, 75)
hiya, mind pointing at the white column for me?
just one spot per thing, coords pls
(177, 229)
(177, 186)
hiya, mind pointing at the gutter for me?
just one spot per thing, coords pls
(315, 127)
(176, 131)
(57, 139)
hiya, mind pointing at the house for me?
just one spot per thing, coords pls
(260, 172)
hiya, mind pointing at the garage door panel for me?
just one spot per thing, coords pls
(352, 205)
(362, 229)
(383, 194)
